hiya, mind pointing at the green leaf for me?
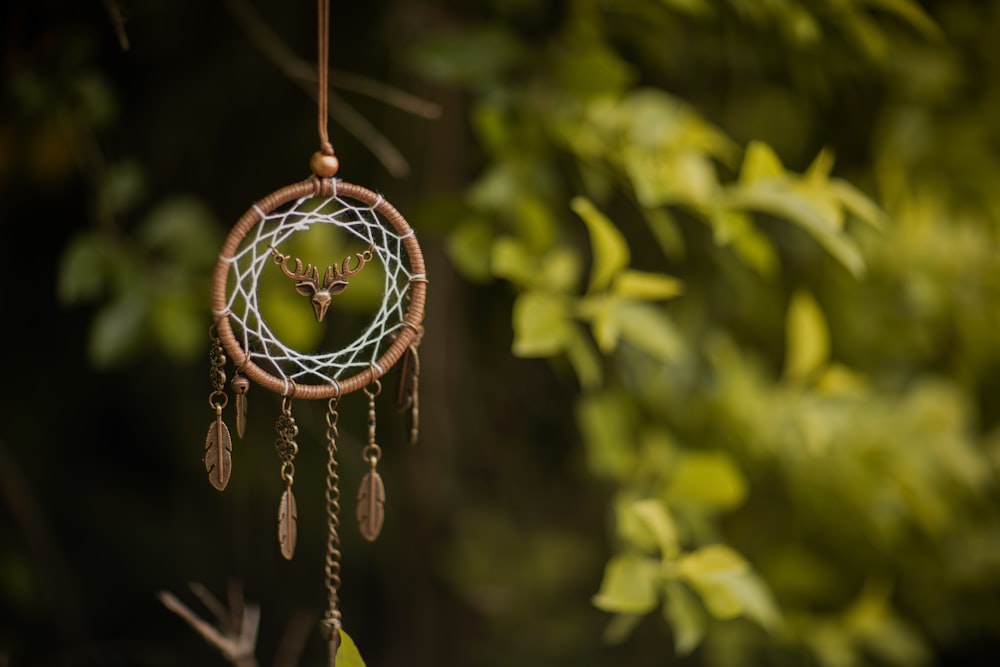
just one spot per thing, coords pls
(686, 617)
(473, 55)
(630, 585)
(783, 201)
(674, 177)
(533, 222)
(872, 621)
(94, 97)
(469, 248)
(117, 329)
(587, 68)
(663, 124)
(646, 286)
(542, 326)
(756, 599)
(121, 187)
(511, 260)
(710, 571)
(630, 528)
(607, 424)
(348, 654)
(712, 560)
(858, 204)
(650, 329)
(490, 124)
(913, 13)
(83, 270)
(692, 7)
(708, 479)
(620, 627)
(600, 310)
(656, 517)
(728, 587)
(807, 346)
(586, 360)
(667, 232)
(760, 163)
(818, 173)
(501, 184)
(560, 270)
(182, 228)
(610, 251)
(736, 229)
(178, 324)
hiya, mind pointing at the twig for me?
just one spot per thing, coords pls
(118, 22)
(57, 582)
(228, 621)
(305, 75)
(392, 96)
(236, 645)
(293, 642)
(358, 125)
(236, 602)
(295, 67)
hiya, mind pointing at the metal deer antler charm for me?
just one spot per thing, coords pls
(334, 280)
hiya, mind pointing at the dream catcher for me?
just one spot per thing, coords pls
(274, 243)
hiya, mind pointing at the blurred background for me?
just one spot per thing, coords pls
(710, 372)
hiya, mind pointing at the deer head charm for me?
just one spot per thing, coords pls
(334, 279)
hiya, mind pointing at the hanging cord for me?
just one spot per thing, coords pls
(324, 163)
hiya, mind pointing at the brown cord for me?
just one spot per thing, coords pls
(323, 73)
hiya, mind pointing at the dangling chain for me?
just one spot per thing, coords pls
(217, 372)
(285, 445)
(372, 453)
(218, 443)
(332, 620)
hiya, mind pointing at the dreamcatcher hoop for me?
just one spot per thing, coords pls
(253, 251)
(405, 331)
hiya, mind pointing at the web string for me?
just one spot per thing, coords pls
(253, 257)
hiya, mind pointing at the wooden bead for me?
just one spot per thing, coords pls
(324, 165)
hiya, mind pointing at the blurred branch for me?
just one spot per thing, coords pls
(394, 97)
(305, 75)
(118, 22)
(235, 629)
(236, 634)
(54, 575)
(293, 642)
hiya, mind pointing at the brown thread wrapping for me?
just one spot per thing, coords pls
(411, 319)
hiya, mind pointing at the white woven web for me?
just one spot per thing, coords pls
(253, 257)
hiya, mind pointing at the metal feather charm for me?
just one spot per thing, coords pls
(287, 523)
(371, 505)
(218, 452)
(240, 386)
(408, 390)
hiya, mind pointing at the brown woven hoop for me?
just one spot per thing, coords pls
(411, 320)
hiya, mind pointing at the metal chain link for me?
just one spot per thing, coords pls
(332, 620)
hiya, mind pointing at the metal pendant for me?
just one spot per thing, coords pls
(287, 523)
(371, 505)
(218, 452)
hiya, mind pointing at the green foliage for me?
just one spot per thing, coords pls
(347, 654)
(149, 285)
(774, 403)
(748, 255)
